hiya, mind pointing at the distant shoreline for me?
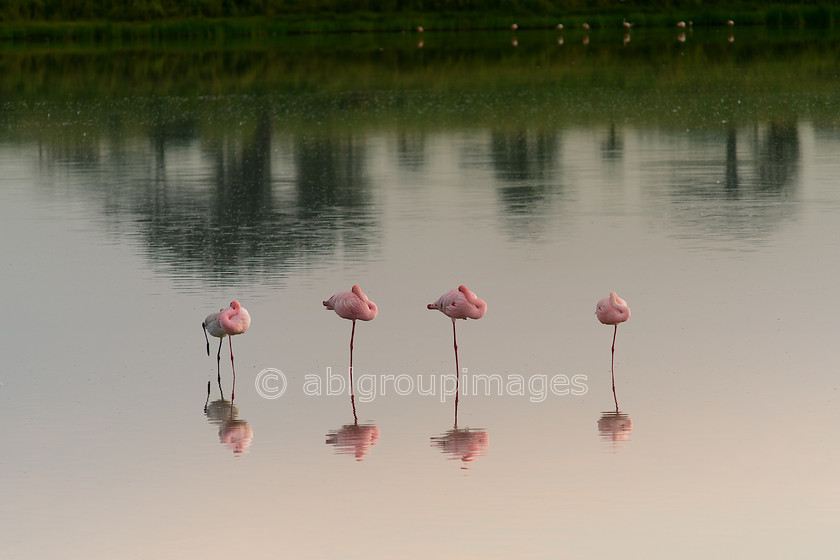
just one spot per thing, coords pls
(23, 29)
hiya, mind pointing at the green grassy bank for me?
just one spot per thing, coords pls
(211, 19)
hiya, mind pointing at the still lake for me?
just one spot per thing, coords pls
(146, 186)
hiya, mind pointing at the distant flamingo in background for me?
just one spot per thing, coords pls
(227, 322)
(353, 305)
(613, 310)
(459, 304)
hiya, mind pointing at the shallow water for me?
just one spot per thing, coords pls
(122, 231)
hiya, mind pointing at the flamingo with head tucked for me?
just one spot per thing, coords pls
(459, 304)
(227, 322)
(612, 310)
(353, 305)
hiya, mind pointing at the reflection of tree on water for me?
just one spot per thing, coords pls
(731, 180)
(331, 172)
(612, 148)
(246, 223)
(749, 197)
(523, 163)
(209, 203)
(778, 158)
(411, 149)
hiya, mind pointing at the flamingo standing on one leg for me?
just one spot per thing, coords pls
(459, 304)
(613, 310)
(352, 305)
(233, 320)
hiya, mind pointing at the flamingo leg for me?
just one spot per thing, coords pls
(457, 370)
(207, 400)
(456, 412)
(232, 368)
(352, 395)
(352, 336)
(218, 364)
(612, 368)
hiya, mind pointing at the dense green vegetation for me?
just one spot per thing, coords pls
(97, 19)
(307, 84)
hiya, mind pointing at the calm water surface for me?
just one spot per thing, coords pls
(126, 220)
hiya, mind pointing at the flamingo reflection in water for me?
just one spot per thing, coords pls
(234, 433)
(615, 427)
(466, 444)
(354, 439)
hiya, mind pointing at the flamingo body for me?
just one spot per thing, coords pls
(352, 305)
(460, 304)
(213, 327)
(612, 310)
(235, 319)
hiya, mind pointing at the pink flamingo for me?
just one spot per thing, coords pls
(613, 310)
(459, 304)
(227, 322)
(353, 305)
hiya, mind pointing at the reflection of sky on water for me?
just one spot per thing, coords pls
(123, 378)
